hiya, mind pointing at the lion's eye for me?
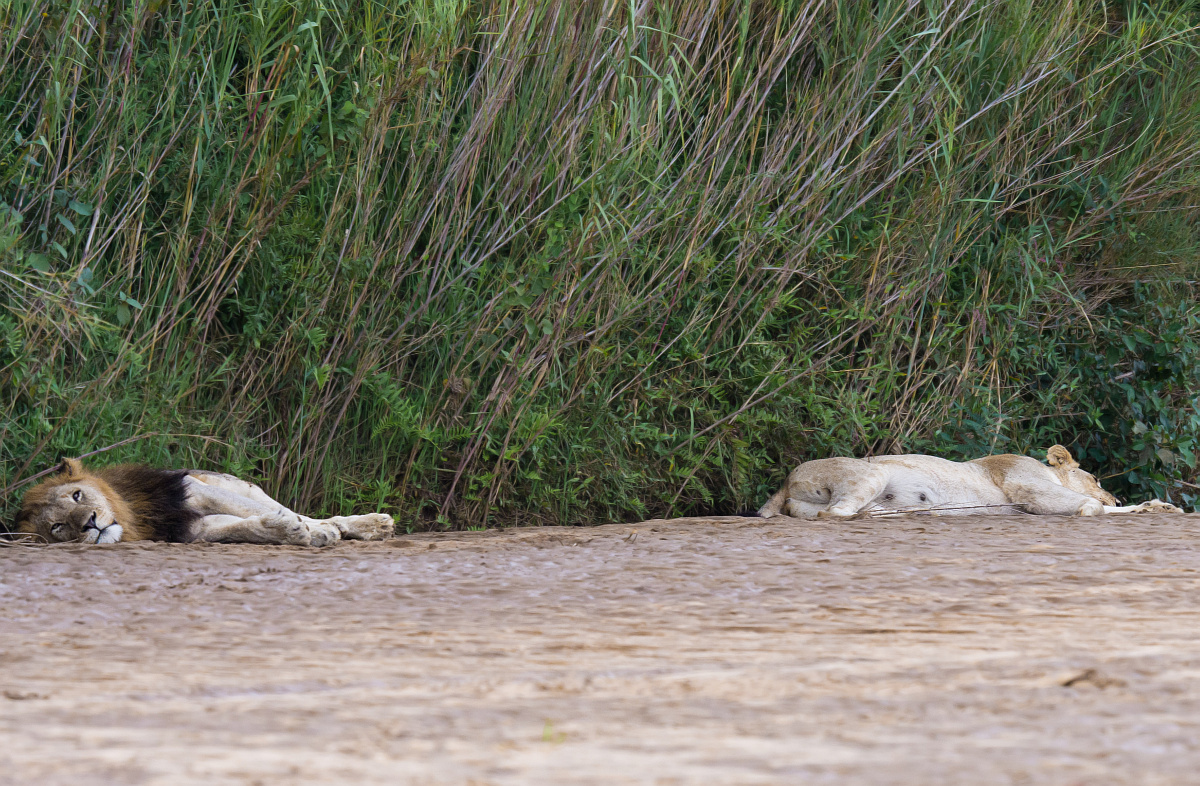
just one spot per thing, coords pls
(78, 495)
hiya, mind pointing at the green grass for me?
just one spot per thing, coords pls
(582, 262)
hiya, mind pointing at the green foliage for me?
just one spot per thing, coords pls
(569, 263)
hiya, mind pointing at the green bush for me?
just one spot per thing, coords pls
(581, 262)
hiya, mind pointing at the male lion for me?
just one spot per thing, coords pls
(132, 502)
(847, 487)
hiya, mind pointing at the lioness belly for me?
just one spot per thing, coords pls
(928, 483)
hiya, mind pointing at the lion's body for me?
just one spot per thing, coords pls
(847, 487)
(133, 502)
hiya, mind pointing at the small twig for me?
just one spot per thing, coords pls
(15, 539)
(901, 511)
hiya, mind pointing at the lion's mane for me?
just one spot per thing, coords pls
(151, 504)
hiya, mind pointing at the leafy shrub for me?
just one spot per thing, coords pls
(571, 263)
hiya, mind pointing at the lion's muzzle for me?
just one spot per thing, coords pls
(94, 533)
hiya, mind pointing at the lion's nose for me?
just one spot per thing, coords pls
(91, 522)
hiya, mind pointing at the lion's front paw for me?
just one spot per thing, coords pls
(323, 533)
(287, 529)
(1156, 506)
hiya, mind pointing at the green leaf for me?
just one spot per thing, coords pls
(82, 208)
(39, 262)
(123, 314)
(66, 222)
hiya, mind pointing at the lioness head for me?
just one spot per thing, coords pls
(73, 505)
(1068, 471)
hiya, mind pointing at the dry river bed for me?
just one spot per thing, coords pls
(988, 650)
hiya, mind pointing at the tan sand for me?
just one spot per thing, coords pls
(989, 650)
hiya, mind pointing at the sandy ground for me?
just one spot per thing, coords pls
(993, 650)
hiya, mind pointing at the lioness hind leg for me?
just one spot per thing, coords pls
(282, 528)
(834, 487)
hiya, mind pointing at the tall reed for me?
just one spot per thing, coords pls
(571, 262)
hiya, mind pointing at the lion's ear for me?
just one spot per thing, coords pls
(71, 467)
(1058, 456)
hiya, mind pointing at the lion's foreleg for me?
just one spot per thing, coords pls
(1049, 499)
(269, 529)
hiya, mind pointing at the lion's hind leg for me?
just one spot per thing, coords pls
(372, 526)
(834, 487)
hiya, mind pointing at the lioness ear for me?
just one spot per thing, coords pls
(1058, 456)
(71, 467)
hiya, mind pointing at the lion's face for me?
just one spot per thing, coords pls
(72, 507)
(1084, 482)
(1067, 469)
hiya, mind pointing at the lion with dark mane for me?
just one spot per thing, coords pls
(134, 502)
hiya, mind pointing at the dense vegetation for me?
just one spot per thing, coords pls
(579, 262)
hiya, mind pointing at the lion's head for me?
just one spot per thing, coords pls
(73, 505)
(1068, 471)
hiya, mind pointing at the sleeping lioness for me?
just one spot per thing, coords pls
(133, 502)
(846, 487)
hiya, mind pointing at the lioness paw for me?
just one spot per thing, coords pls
(1156, 506)
(838, 512)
